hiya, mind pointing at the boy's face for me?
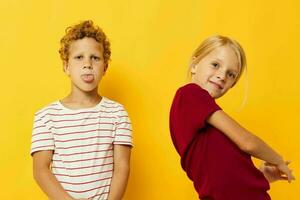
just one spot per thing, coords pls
(217, 71)
(85, 65)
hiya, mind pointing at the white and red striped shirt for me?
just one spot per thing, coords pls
(82, 141)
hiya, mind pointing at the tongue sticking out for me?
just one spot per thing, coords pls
(88, 78)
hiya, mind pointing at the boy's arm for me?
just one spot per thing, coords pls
(247, 141)
(121, 171)
(44, 177)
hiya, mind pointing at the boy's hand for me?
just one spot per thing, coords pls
(274, 173)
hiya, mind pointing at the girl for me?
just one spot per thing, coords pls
(215, 150)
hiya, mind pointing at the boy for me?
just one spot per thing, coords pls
(81, 144)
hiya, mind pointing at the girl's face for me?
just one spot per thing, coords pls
(86, 65)
(217, 71)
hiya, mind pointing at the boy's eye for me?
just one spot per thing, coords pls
(95, 58)
(78, 57)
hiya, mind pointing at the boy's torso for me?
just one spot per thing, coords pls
(83, 146)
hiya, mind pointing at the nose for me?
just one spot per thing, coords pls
(87, 65)
(221, 75)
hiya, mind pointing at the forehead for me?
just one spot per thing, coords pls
(226, 56)
(85, 44)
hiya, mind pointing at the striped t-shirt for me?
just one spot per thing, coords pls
(82, 141)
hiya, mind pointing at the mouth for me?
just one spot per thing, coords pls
(88, 78)
(218, 86)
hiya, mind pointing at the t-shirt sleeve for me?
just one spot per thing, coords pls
(123, 132)
(42, 138)
(190, 109)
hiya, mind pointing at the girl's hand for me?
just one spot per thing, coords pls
(277, 172)
(286, 171)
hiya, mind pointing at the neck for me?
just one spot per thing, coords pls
(80, 97)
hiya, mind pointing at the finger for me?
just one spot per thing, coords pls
(269, 164)
(284, 178)
(293, 177)
(285, 172)
(287, 162)
(290, 177)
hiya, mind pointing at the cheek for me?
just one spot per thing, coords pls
(197, 78)
(102, 68)
(229, 85)
(99, 72)
(201, 76)
(74, 69)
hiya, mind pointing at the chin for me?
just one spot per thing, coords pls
(215, 95)
(87, 89)
(219, 95)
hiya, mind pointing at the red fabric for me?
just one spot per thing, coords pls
(217, 167)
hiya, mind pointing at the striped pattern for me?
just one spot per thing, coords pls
(82, 141)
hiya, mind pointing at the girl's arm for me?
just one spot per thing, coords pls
(44, 177)
(121, 172)
(247, 141)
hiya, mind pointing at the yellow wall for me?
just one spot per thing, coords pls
(151, 44)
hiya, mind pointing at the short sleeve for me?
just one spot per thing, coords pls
(42, 138)
(190, 109)
(123, 132)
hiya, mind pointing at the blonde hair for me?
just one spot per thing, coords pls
(214, 42)
(79, 31)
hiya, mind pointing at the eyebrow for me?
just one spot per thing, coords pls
(82, 53)
(218, 60)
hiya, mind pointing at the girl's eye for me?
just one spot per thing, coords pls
(215, 65)
(231, 75)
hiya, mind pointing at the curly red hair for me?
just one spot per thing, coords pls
(79, 31)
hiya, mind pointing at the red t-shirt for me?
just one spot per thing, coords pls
(217, 167)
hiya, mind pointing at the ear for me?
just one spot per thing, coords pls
(193, 68)
(105, 68)
(66, 68)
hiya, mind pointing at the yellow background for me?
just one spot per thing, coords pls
(151, 44)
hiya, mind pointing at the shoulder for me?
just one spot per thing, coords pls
(193, 98)
(111, 104)
(192, 88)
(48, 109)
(113, 107)
(191, 92)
